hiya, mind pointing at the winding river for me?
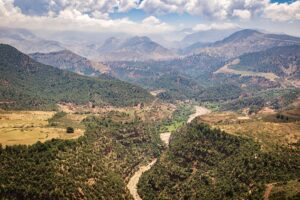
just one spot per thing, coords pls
(165, 137)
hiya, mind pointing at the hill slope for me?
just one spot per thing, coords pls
(25, 83)
(70, 61)
(282, 61)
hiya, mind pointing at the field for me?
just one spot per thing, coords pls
(28, 127)
(264, 128)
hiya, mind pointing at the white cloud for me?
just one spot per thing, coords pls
(7, 8)
(283, 12)
(162, 6)
(225, 9)
(74, 19)
(151, 20)
(90, 7)
(212, 9)
(242, 14)
(215, 26)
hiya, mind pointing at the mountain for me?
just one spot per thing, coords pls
(110, 44)
(25, 83)
(246, 41)
(208, 36)
(134, 48)
(193, 48)
(70, 61)
(27, 42)
(283, 61)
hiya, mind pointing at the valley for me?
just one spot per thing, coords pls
(129, 118)
(165, 137)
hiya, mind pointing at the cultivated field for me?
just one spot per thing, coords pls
(28, 127)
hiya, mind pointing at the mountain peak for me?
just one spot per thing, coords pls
(241, 35)
(138, 39)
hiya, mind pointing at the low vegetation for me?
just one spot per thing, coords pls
(179, 117)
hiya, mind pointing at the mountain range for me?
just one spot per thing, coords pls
(246, 41)
(142, 48)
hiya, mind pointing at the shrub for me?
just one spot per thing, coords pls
(70, 130)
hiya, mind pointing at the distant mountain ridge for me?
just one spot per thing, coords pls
(26, 84)
(28, 42)
(70, 61)
(246, 41)
(208, 36)
(134, 48)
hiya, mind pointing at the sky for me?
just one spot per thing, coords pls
(146, 17)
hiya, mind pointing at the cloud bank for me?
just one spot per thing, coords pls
(94, 15)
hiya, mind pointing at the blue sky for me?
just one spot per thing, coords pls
(151, 16)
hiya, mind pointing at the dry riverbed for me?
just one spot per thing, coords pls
(165, 137)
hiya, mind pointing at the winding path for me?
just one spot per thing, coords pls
(165, 137)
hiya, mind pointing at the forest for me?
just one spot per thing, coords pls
(206, 163)
(93, 166)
